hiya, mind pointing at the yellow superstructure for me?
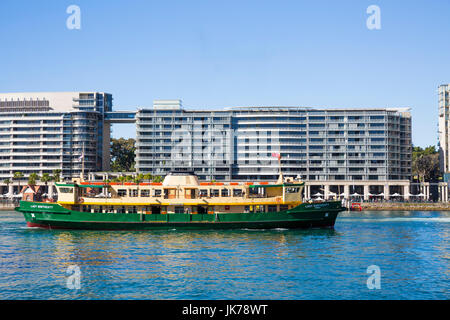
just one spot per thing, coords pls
(181, 192)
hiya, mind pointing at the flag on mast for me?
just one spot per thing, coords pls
(276, 155)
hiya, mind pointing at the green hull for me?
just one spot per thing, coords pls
(54, 216)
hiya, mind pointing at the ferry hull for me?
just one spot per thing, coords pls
(54, 216)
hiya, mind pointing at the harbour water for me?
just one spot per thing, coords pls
(411, 249)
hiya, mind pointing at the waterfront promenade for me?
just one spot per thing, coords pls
(405, 206)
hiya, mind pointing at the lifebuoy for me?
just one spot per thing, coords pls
(81, 200)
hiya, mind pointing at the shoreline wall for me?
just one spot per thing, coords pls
(399, 206)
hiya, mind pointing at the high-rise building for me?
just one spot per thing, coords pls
(243, 143)
(44, 131)
(444, 133)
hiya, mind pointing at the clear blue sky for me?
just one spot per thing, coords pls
(214, 54)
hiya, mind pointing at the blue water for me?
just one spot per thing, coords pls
(412, 250)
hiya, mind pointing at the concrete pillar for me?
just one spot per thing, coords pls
(406, 192)
(307, 191)
(11, 189)
(346, 191)
(50, 190)
(386, 192)
(366, 192)
(427, 192)
(446, 192)
(326, 191)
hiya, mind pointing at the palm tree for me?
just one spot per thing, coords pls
(17, 176)
(7, 182)
(122, 179)
(138, 179)
(157, 179)
(56, 175)
(46, 178)
(33, 177)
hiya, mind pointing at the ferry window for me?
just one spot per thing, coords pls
(145, 193)
(179, 209)
(225, 193)
(259, 208)
(292, 190)
(246, 209)
(157, 192)
(122, 192)
(66, 190)
(284, 207)
(214, 193)
(133, 193)
(132, 210)
(272, 208)
(203, 193)
(201, 210)
(237, 193)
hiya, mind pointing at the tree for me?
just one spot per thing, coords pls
(32, 178)
(123, 155)
(425, 163)
(7, 182)
(56, 175)
(138, 179)
(122, 179)
(46, 178)
(17, 176)
(157, 179)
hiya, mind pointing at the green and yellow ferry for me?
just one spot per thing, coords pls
(180, 202)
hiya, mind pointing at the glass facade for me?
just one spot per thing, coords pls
(40, 135)
(242, 143)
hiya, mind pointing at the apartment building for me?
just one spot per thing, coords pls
(44, 131)
(243, 143)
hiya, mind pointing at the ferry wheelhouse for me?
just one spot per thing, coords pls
(180, 201)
